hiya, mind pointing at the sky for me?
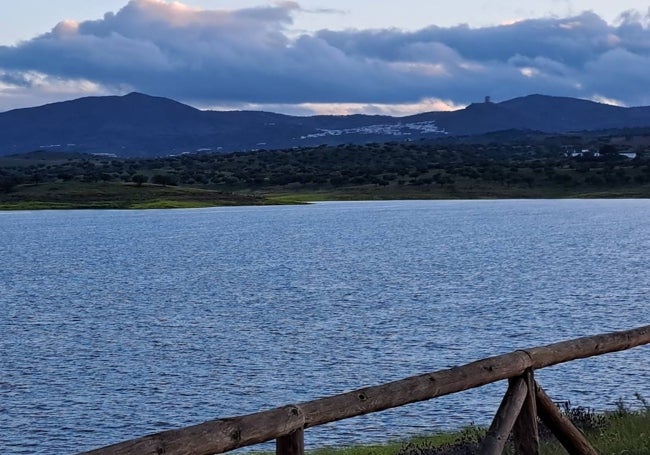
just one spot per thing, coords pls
(325, 56)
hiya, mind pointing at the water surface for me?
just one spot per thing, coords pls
(116, 324)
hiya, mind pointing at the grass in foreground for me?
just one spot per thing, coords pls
(618, 432)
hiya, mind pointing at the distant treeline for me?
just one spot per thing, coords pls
(403, 166)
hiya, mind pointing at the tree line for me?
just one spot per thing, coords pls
(417, 165)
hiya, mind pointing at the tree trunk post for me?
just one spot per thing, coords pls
(504, 420)
(569, 436)
(526, 435)
(291, 444)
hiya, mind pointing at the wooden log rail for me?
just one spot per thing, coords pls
(524, 401)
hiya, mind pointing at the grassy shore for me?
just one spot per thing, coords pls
(78, 195)
(618, 432)
(118, 195)
(396, 171)
(369, 193)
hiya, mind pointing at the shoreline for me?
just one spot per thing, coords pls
(120, 196)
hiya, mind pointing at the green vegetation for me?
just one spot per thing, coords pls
(619, 432)
(536, 168)
(82, 195)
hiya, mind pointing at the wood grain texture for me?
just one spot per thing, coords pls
(504, 420)
(525, 433)
(216, 436)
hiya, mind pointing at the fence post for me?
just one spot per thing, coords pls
(291, 444)
(497, 436)
(569, 436)
(525, 433)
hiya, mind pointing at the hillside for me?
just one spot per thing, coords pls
(138, 125)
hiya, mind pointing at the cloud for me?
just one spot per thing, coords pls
(22, 89)
(252, 56)
(393, 109)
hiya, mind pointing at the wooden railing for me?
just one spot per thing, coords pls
(523, 402)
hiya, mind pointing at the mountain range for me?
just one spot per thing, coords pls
(139, 125)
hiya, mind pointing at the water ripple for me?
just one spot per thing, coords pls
(118, 324)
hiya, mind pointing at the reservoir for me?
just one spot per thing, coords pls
(117, 324)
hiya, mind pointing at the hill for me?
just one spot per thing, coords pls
(138, 125)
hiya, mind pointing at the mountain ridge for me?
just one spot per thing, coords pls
(141, 125)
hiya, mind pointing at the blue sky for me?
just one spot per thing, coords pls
(325, 56)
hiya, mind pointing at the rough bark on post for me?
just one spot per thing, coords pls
(569, 436)
(505, 418)
(215, 436)
(580, 348)
(525, 432)
(291, 444)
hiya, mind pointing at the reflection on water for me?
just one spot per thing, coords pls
(116, 324)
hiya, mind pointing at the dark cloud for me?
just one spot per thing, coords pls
(250, 56)
(16, 79)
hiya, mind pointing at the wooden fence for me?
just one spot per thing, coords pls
(523, 402)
